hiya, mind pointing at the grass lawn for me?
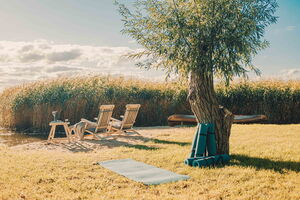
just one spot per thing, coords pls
(265, 165)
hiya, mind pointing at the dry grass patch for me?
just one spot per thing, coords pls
(265, 165)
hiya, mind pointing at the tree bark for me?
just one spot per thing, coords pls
(204, 104)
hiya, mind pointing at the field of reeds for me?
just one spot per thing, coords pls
(278, 100)
(29, 107)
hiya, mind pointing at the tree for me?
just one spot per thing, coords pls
(200, 40)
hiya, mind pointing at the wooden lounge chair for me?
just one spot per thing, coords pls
(102, 124)
(126, 124)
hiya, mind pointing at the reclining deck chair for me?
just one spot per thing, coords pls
(126, 125)
(102, 124)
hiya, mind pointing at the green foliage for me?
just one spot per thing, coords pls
(30, 106)
(203, 36)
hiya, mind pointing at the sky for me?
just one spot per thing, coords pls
(42, 39)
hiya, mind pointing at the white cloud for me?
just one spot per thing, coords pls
(61, 69)
(27, 48)
(285, 75)
(29, 61)
(63, 55)
(31, 57)
(22, 62)
(291, 73)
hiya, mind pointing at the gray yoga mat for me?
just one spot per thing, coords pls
(141, 172)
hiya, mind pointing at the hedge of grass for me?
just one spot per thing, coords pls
(278, 100)
(29, 107)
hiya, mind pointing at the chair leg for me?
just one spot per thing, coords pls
(50, 134)
(117, 132)
(68, 133)
(136, 132)
(132, 130)
(109, 128)
(95, 136)
(108, 135)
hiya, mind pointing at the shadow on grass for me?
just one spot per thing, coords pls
(76, 147)
(141, 147)
(264, 163)
(88, 145)
(118, 143)
(157, 141)
(111, 143)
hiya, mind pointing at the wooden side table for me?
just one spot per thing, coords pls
(53, 125)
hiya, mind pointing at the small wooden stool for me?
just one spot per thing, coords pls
(53, 125)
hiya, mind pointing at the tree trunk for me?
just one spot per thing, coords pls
(204, 104)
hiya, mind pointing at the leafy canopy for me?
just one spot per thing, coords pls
(203, 36)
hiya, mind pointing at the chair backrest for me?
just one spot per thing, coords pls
(130, 115)
(105, 113)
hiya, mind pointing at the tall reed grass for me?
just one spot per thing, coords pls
(29, 107)
(278, 100)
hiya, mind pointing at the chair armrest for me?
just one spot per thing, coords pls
(85, 120)
(71, 127)
(88, 123)
(113, 119)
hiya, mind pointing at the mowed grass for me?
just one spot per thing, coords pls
(265, 165)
